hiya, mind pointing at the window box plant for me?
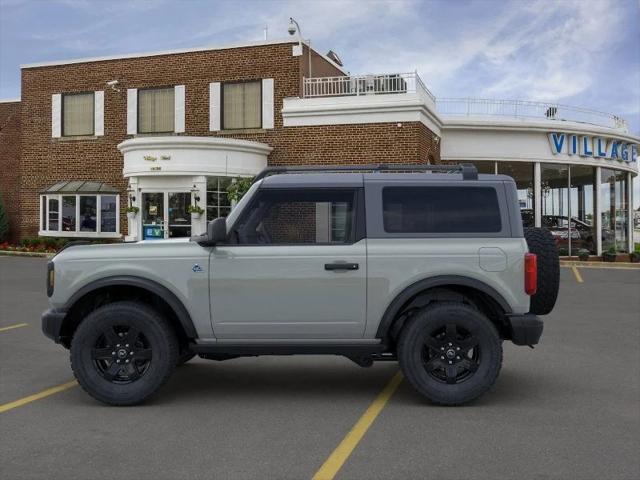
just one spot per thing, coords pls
(610, 255)
(195, 211)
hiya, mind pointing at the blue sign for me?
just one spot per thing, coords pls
(589, 146)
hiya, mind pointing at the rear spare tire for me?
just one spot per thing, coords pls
(542, 243)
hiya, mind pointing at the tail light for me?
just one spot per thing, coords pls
(530, 273)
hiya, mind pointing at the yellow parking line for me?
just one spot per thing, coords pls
(37, 396)
(576, 273)
(332, 465)
(11, 327)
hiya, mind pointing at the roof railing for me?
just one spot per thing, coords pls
(468, 171)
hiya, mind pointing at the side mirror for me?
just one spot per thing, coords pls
(217, 230)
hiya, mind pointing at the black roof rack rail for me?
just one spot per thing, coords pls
(468, 171)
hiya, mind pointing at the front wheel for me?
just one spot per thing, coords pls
(450, 353)
(123, 352)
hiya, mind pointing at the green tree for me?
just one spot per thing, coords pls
(237, 189)
(4, 223)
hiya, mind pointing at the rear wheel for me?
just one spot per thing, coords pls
(450, 353)
(123, 352)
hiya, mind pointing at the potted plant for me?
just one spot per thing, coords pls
(635, 255)
(610, 255)
(583, 254)
(195, 211)
(132, 212)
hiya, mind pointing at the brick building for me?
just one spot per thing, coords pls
(165, 130)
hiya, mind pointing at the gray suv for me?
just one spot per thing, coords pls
(425, 265)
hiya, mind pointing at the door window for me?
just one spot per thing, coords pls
(297, 217)
(179, 218)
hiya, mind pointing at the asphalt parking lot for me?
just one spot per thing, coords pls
(570, 409)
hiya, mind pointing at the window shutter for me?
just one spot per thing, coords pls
(98, 111)
(178, 99)
(214, 106)
(56, 115)
(267, 103)
(132, 111)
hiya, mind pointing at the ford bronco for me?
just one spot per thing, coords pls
(428, 266)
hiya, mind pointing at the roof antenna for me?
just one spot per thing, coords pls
(266, 32)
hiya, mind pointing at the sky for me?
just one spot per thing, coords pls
(576, 52)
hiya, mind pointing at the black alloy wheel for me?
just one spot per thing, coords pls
(122, 354)
(451, 354)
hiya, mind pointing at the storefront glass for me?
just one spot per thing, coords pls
(614, 192)
(582, 205)
(522, 173)
(555, 204)
(218, 204)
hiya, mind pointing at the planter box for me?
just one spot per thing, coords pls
(196, 216)
(634, 257)
(131, 216)
(609, 257)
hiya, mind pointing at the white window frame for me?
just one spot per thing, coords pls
(77, 233)
(57, 127)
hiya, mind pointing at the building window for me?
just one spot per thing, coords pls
(156, 110)
(522, 173)
(614, 192)
(88, 213)
(582, 204)
(108, 213)
(78, 114)
(242, 105)
(78, 215)
(218, 203)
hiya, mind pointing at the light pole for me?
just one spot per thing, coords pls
(293, 28)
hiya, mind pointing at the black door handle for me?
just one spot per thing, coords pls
(341, 266)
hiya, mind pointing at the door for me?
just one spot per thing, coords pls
(179, 224)
(164, 215)
(294, 267)
(153, 216)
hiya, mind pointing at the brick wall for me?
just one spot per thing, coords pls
(46, 160)
(10, 163)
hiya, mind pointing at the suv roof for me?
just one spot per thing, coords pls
(335, 179)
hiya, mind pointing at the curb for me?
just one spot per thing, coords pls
(606, 265)
(11, 253)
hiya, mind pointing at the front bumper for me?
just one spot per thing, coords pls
(52, 324)
(525, 329)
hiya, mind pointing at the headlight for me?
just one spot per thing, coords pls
(51, 278)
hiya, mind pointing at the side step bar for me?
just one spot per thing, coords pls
(239, 349)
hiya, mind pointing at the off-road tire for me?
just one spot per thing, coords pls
(160, 344)
(541, 242)
(411, 352)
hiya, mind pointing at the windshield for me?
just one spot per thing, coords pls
(235, 212)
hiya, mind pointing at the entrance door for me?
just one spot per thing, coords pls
(179, 218)
(164, 215)
(153, 215)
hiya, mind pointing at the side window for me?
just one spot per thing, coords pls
(297, 217)
(436, 209)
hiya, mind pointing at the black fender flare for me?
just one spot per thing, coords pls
(414, 289)
(150, 285)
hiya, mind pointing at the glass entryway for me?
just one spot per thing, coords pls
(164, 215)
